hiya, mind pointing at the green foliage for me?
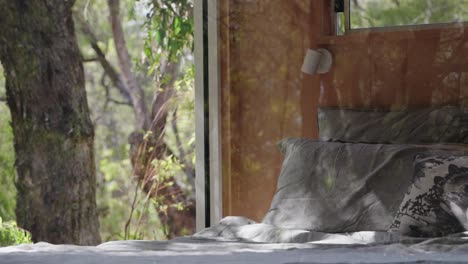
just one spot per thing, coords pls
(152, 203)
(156, 32)
(170, 26)
(11, 235)
(114, 191)
(185, 102)
(117, 191)
(169, 31)
(7, 160)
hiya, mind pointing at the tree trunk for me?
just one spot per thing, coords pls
(53, 133)
(136, 93)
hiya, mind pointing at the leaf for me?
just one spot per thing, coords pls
(148, 51)
(177, 25)
(160, 37)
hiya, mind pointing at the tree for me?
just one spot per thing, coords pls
(171, 27)
(53, 133)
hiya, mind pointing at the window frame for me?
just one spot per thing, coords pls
(208, 170)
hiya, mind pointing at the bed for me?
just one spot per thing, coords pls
(359, 247)
(377, 187)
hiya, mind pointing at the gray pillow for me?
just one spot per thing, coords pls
(439, 185)
(448, 124)
(341, 187)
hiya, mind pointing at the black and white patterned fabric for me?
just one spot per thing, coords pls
(436, 202)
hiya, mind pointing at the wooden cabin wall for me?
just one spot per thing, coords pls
(398, 69)
(264, 96)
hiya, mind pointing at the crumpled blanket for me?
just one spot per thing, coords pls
(235, 228)
(241, 240)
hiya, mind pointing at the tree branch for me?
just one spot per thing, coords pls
(109, 99)
(106, 102)
(117, 102)
(164, 92)
(175, 129)
(110, 71)
(188, 168)
(136, 92)
(90, 60)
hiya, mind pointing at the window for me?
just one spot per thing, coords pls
(364, 14)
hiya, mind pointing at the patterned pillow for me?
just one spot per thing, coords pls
(437, 200)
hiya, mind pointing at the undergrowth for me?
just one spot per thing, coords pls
(11, 235)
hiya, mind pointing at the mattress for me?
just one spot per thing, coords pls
(240, 240)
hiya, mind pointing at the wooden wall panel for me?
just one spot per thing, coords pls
(397, 70)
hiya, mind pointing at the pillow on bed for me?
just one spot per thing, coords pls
(439, 185)
(447, 124)
(342, 187)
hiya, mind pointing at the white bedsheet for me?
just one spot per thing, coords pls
(239, 240)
